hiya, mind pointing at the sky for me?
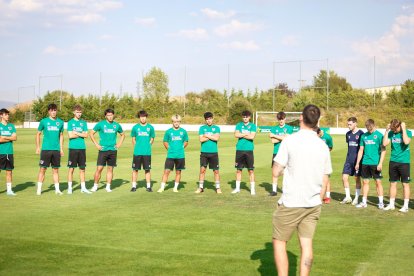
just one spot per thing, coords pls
(94, 47)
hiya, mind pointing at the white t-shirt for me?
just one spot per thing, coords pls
(306, 160)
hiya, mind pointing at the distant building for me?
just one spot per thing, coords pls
(384, 90)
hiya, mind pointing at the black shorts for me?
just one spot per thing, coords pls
(244, 159)
(210, 159)
(107, 158)
(6, 162)
(179, 164)
(370, 171)
(141, 161)
(49, 158)
(399, 172)
(349, 169)
(77, 158)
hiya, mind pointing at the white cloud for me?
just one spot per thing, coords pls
(146, 22)
(195, 34)
(86, 18)
(244, 46)
(213, 14)
(53, 50)
(290, 40)
(84, 48)
(26, 5)
(106, 37)
(236, 27)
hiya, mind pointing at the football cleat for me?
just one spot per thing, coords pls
(273, 193)
(199, 191)
(235, 191)
(403, 210)
(361, 205)
(381, 206)
(175, 190)
(389, 207)
(133, 189)
(355, 201)
(218, 190)
(85, 191)
(10, 193)
(346, 200)
(148, 189)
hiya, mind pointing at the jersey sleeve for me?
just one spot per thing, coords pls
(409, 134)
(62, 126)
(238, 127)
(120, 130)
(134, 131)
(289, 130)
(329, 141)
(97, 127)
(346, 138)
(185, 136)
(166, 136)
(152, 132)
(361, 141)
(200, 131)
(41, 126)
(253, 128)
(69, 126)
(218, 130)
(85, 126)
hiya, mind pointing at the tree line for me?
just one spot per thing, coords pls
(342, 99)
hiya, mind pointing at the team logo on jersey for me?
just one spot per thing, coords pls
(10, 128)
(357, 136)
(181, 133)
(57, 123)
(81, 124)
(148, 129)
(114, 126)
(375, 136)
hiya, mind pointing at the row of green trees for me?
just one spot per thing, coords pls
(227, 105)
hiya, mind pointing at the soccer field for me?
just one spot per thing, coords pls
(185, 233)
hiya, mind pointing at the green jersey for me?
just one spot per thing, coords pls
(327, 139)
(372, 143)
(7, 131)
(77, 126)
(243, 143)
(143, 135)
(209, 146)
(107, 134)
(278, 130)
(175, 139)
(51, 133)
(400, 152)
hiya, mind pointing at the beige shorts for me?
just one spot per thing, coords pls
(286, 220)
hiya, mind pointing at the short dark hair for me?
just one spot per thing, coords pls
(142, 113)
(281, 115)
(52, 106)
(77, 107)
(4, 111)
(369, 122)
(311, 114)
(394, 124)
(352, 119)
(246, 113)
(109, 110)
(318, 130)
(208, 115)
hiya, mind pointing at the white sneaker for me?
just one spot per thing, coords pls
(10, 193)
(85, 191)
(58, 192)
(346, 200)
(69, 191)
(175, 190)
(160, 190)
(403, 210)
(381, 206)
(389, 207)
(361, 205)
(355, 201)
(39, 193)
(235, 191)
(108, 190)
(94, 188)
(253, 192)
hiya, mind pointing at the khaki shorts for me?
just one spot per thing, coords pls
(286, 220)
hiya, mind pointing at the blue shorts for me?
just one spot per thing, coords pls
(349, 169)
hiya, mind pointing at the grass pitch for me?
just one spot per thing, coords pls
(185, 233)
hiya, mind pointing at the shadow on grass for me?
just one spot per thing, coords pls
(269, 187)
(143, 184)
(337, 196)
(170, 185)
(21, 187)
(267, 263)
(243, 185)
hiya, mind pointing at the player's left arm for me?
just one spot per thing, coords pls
(325, 181)
(214, 137)
(61, 143)
(119, 144)
(382, 157)
(406, 138)
(277, 169)
(250, 136)
(5, 139)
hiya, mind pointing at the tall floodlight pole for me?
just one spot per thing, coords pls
(185, 80)
(274, 88)
(375, 86)
(327, 84)
(228, 85)
(100, 88)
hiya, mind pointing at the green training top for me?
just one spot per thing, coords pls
(176, 139)
(327, 139)
(7, 130)
(278, 130)
(243, 143)
(372, 147)
(77, 126)
(209, 146)
(107, 134)
(51, 133)
(400, 152)
(143, 135)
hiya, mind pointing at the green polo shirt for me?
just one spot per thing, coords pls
(372, 147)
(243, 143)
(107, 134)
(209, 146)
(7, 131)
(143, 135)
(51, 133)
(278, 130)
(400, 152)
(175, 139)
(77, 126)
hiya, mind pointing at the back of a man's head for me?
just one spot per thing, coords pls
(311, 114)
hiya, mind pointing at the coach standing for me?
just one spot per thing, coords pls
(307, 164)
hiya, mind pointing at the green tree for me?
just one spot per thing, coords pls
(156, 90)
(336, 82)
(236, 108)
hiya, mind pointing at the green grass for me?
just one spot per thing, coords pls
(183, 233)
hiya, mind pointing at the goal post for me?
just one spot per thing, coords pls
(265, 120)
